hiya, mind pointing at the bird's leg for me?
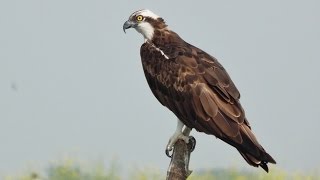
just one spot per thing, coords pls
(178, 134)
(192, 140)
(186, 131)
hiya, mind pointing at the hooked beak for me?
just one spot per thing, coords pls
(128, 24)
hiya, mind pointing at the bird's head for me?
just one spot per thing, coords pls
(145, 22)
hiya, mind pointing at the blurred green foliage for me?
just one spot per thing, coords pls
(72, 170)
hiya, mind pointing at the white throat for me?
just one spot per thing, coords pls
(146, 30)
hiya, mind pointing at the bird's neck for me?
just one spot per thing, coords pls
(163, 37)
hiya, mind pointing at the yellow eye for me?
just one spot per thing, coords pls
(139, 18)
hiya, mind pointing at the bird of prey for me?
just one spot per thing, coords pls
(195, 87)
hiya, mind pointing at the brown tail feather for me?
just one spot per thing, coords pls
(252, 151)
(254, 162)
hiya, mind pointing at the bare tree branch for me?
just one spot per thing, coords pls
(179, 165)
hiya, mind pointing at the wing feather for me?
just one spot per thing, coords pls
(208, 103)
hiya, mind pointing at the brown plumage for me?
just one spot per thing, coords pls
(199, 91)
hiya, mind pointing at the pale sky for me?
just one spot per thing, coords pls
(72, 85)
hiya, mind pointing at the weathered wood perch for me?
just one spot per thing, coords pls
(179, 165)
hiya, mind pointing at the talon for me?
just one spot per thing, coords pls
(169, 148)
(193, 141)
(168, 153)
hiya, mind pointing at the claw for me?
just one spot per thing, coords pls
(193, 141)
(168, 153)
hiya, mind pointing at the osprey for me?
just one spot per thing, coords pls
(195, 87)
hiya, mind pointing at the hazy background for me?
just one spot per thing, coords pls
(72, 85)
